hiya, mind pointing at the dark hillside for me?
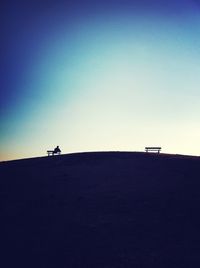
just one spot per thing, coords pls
(101, 210)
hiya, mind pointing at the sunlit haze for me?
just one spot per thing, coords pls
(100, 76)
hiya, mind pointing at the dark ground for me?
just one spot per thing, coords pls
(101, 210)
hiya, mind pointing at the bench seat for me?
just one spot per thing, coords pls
(51, 152)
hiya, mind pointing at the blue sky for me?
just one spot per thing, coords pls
(100, 75)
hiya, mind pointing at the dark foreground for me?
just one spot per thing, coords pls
(101, 210)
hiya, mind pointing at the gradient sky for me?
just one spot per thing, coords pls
(99, 75)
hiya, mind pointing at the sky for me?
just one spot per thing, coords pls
(109, 75)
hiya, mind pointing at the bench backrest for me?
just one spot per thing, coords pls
(153, 148)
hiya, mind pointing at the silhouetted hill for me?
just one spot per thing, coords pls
(101, 210)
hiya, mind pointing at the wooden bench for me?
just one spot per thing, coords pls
(50, 152)
(153, 149)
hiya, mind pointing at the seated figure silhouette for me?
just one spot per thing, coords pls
(57, 150)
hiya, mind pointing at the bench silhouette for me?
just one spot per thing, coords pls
(52, 152)
(153, 149)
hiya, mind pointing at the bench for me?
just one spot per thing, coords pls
(50, 152)
(153, 149)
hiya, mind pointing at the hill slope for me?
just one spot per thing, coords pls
(101, 210)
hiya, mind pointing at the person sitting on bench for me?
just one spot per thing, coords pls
(57, 150)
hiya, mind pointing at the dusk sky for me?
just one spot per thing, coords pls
(109, 75)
